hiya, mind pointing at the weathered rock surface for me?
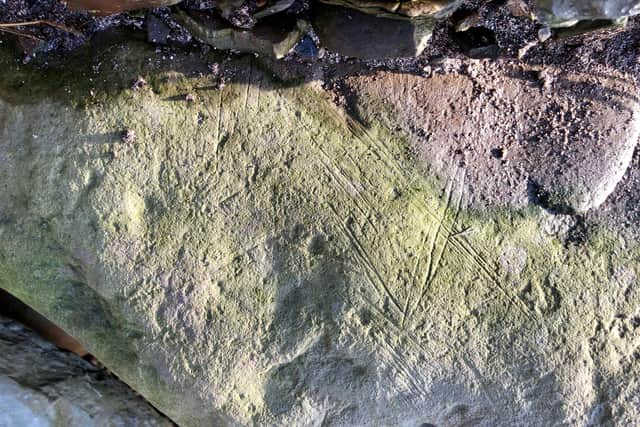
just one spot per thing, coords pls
(258, 256)
(42, 386)
(622, 207)
(526, 133)
(567, 12)
(436, 9)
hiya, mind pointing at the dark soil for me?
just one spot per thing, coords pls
(493, 29)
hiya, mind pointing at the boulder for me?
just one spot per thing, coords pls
(259, 255)
(436, 9)
(272, 39)
(108, 7)
(567, 10)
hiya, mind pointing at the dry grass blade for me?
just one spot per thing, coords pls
(20, 33)
(4, 25)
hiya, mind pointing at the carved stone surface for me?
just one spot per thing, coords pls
(259, 255)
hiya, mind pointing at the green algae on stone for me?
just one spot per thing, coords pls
(281, 263)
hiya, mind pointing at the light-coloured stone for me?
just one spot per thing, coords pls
(258, 256)
(563, 139)
(43, 386)
(568, 12)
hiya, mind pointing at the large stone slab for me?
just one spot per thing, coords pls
(255, 255)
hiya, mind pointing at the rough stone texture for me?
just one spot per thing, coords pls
(42, 386)
(622, 208)
(563, 12)
(542, 134)
(260, 256)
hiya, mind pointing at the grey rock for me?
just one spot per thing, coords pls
(41, 386)
(107, 7)
(282, 263)
(574, 17)
(273, 39)
(564, 13)
(435, 9)
(361, 35)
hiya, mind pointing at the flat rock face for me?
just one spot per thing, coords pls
(257, 255)
(42, 386)
(526, 133)
(361, 35)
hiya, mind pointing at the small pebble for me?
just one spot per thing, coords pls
(544, 34)
(128, 136)
(139, 83)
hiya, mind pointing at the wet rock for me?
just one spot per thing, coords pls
(273, 8)
(243, 14)
(41, 385)
(585, 15)
(379, 29)
(578, 10)
(306, 49)
(437, 9)
(362, 35)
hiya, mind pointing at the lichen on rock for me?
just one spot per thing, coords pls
(260, 256)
